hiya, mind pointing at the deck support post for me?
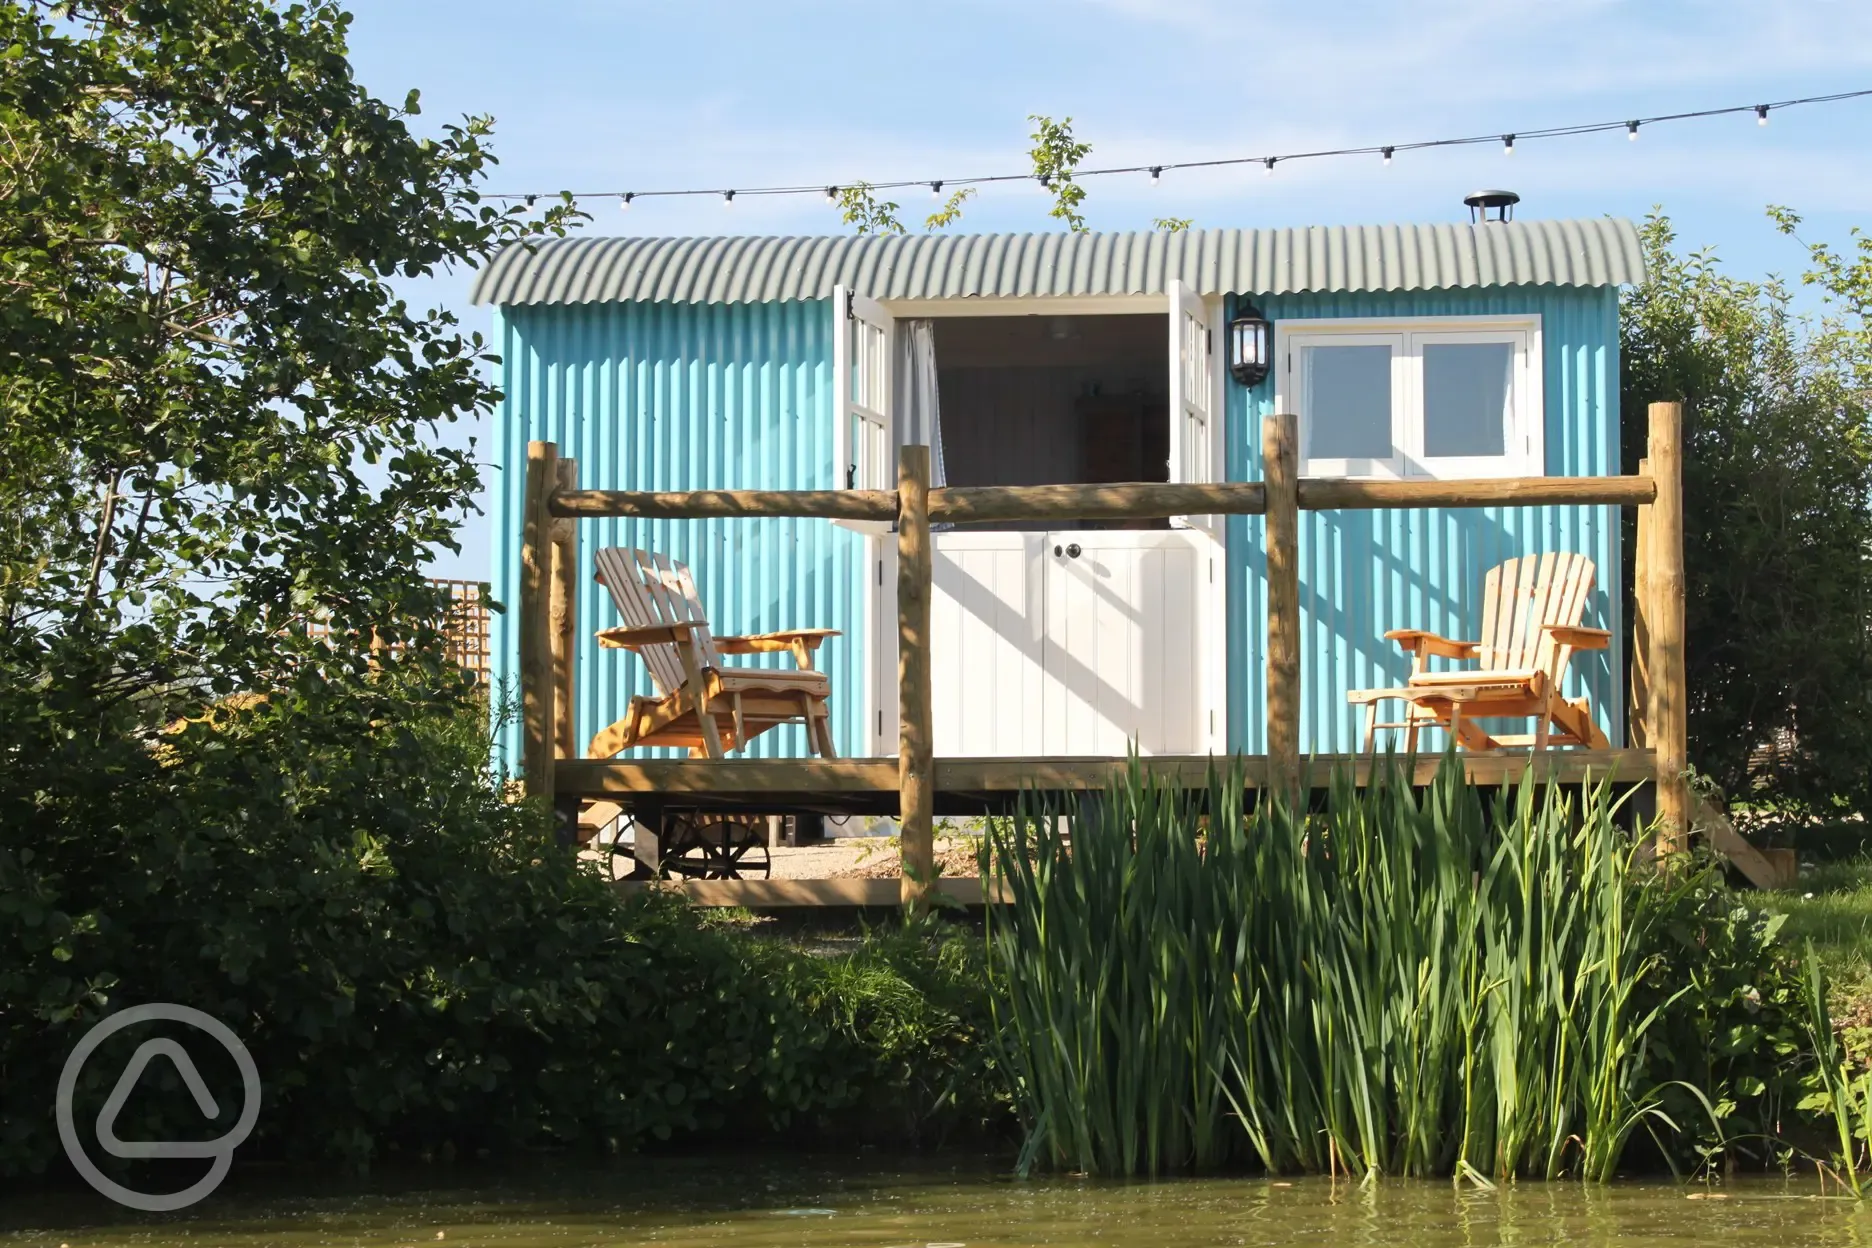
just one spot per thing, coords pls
(1667, 724)
(1638, 716)
(1280, 471)
(535, 623)
(562, 609)
(916, 778)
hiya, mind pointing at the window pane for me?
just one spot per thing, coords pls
(1348, 402)
(1466, 388)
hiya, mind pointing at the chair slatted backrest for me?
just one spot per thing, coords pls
(649, 589)
(1522, 595)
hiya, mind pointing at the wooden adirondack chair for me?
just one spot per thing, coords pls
(701, 702)
(1530, 629)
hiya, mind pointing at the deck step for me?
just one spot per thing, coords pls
(1769, 869)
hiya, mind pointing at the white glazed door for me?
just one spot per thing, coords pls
(1040, 651)
(1195, 444)
(863, 338)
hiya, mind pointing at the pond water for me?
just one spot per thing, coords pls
(827, 1203)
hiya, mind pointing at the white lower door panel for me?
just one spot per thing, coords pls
(1121, 660)
(1068, 643)
(986, 645)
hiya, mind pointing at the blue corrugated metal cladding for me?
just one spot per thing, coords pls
(690, 396)
(675, 397)
(1362, 572)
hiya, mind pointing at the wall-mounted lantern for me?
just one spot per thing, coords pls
(1251, 345)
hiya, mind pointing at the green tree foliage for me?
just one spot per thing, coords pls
(866, 213)
(1778, 510)
(1173, 225)
(219, 414)
(951, 211)
(1056, 156)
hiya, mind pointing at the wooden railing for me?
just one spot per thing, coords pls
(549, 563)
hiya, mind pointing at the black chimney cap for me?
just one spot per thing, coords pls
(1481, 202)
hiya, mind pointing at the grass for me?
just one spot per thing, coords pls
(1832, 907)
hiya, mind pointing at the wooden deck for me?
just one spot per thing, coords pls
(919, 786)
(971, 785)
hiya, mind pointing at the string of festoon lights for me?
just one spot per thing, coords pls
(1385, 151)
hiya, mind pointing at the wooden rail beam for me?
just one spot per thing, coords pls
(1668, 725)
(712, 504)
(916, 747)
(1319, 494)
(537, 718)
(1280, 469)
(1128, 500)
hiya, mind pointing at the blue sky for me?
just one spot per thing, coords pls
(617, 95)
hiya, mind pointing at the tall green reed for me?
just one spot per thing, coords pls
(1411, 982)
(1844, 1099)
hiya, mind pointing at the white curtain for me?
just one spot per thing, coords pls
(919, 419)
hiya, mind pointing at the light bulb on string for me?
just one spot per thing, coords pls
(527, 206)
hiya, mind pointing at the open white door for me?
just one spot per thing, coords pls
(863, 335)
(1194, 442)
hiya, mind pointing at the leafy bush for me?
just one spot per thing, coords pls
(415, 965)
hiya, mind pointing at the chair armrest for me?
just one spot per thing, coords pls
(1417, 641)
(623, 638)
(785, 639)
(801, 641)
(1578, 638)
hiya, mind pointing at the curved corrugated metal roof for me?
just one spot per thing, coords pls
(1603, 252)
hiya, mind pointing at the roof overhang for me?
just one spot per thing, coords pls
(1598, 252)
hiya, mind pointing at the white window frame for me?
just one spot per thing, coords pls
(1525, 441)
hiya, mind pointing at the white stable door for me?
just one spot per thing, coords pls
(1068, 643)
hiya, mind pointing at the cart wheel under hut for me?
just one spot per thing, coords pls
(708, 848)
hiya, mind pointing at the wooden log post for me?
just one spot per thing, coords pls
(562, 612)
(1280, 470)
(1668, 721)
(535, 624)
(1639, 716)
(916, 771)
